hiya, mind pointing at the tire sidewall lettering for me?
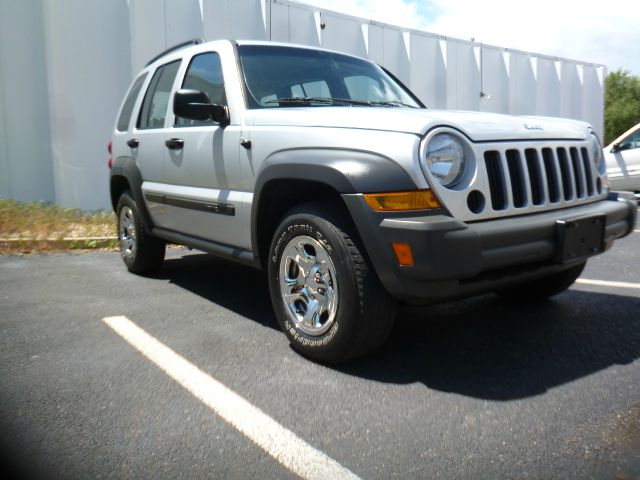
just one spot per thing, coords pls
(284, 237)
(290, 232)
(307, 341)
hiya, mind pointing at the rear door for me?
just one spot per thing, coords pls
(147, 139)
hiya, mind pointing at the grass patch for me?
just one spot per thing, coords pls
(40, 226)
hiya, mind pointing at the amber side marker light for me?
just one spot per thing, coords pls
(399, 201)
(403, 252)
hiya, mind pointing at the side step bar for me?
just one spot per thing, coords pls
(226, 251)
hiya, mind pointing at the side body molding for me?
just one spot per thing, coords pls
(127, 168)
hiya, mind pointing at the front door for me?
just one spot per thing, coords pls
(147, 138)
(203, 198)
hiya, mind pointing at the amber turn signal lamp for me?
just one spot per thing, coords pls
(398, 201)
(403, 254)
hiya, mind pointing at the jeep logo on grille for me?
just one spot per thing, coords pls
(529, 126)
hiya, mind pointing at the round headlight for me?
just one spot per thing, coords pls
(445, 159)
(595, 149)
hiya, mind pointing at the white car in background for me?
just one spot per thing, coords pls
(622, 158)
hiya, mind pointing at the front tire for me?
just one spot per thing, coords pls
(141, 252)
(327, 298)
(543, 288)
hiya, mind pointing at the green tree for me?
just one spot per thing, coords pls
(621, 104)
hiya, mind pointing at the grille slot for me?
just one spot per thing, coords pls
(552, 175)
(495, 176)
(565, 171)
(535, 176)
(587, 170)
(516, 174)
(578, 176)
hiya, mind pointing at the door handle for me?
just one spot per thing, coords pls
(174, 143)
(133, 142)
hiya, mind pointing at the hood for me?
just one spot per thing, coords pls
(478, 126)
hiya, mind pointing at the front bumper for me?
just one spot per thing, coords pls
(454, 259)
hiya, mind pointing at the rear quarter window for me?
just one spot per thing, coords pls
(127, 107)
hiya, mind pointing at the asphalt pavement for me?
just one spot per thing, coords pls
(471, 389)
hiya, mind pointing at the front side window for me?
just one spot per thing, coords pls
(289, 76)
(204, 74)
(127, 107)
(156, 100)
(631, 142)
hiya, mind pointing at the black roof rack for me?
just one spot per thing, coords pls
(193, 41)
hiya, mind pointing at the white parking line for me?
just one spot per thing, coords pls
(279, 442)
(637, 231)
(605, 283)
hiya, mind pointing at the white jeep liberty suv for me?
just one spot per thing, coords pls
(327, 172)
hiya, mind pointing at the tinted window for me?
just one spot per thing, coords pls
(156, 100)
(632, 141)
(204, 74)
(311, 89)
(361, 86)
(127, 108)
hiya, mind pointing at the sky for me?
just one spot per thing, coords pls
(606, 33)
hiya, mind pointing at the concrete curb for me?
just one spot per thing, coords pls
(67, 243)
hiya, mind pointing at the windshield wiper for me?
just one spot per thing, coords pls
(392, 103)
(337, 101)
(317, 100)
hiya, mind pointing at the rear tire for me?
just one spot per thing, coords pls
(141, 252)
(543, 288)
(327, 298)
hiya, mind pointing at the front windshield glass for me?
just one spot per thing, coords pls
(289, 77)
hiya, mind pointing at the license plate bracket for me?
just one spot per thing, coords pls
(579, 238)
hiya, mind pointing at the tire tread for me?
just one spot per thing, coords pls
(150, 250)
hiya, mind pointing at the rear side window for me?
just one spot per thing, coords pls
(156, 100)
(127, 108)
(204, 74)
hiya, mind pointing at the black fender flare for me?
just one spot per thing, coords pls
(127, 168)
(344, 170)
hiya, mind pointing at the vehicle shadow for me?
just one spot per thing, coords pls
(487, 348)
(236, 287)
(482, 347)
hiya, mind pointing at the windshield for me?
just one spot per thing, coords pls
(288, 76)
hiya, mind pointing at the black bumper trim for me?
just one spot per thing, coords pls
(452, 258)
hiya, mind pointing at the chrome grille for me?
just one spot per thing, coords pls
(540, 176)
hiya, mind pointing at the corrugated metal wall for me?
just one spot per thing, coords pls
(65, 65)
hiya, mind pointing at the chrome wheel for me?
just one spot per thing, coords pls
(308, 285)
(127, 233)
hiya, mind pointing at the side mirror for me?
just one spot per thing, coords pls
(196, 105)
(615, 148)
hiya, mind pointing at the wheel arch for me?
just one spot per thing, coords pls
(125, 175)
(278, 196)
(293, 177)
